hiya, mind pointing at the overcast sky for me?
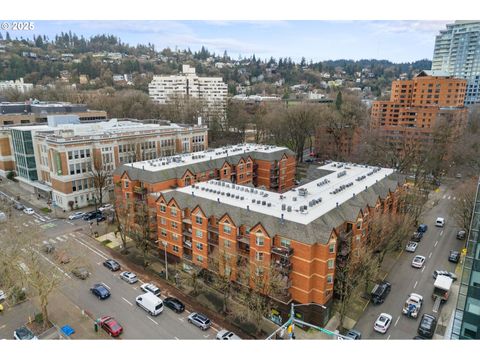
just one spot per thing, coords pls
(397, 41)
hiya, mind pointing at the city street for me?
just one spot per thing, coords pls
(405, 279)
(72, 236)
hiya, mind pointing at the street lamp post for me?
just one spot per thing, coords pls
(166, 264)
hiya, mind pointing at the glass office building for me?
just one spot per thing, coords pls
(466, 323)
(22, 143)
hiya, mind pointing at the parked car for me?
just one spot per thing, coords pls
(100, 218)
(417, 236)
(382, 323)
(440, 222)
(24, 333)
(81, 272)
(427, 326)
(149, 287)
(380, 292)
(411, 246)
(105, 207)
(129, 277)
(418, 261)
(353, 334)
(77, 215)
(18, 206)
(150, 303)
(227, 335)
(422, 228)
(92, 215)
(100, 291)
(110, 325)
(445, 273)
(454, 256)
(111, 264)
(461, 235)
(62, 257)
(199, 320)
(418, 337)
(29, 211)
(174, 304)
(2, 295)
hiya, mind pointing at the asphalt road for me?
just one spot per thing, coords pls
(71, 235)
(435, 246)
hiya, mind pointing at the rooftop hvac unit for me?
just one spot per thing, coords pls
(319, 200)
(253, 201)
(258, 202)
(302, 192)
(264, 203)
(311, 203)
(265, 195)
(289, 208)
(242, 198)
(252, 190)
(284, 207)
(294, 198)
(237, 196)
(269, 204)
(228, 194)
(223, 193)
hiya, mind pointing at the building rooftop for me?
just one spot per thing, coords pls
(206, 156)
(303, 204)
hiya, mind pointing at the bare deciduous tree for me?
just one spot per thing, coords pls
(102, 178)
(463, 203)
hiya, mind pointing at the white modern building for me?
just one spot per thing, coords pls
(211, 90)
(17, 85)
(457, 52)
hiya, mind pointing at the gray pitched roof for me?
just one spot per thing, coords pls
(317, 231)
(177, 172)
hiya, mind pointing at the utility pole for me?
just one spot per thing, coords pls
(166, 264)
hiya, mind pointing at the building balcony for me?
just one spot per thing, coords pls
(212, 240)
(187, 221)
(187, 256)
(243, 252)
(140, 190)
(284, 267)
(213, 229)
(187, 234)
(243, 239)
(187, 243)
(283, 251)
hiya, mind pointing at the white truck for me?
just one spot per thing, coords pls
(441, 288)
(413, 305)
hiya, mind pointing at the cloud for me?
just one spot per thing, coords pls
(409, 26)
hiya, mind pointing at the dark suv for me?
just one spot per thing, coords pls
(174, 304)
(380, 292)
(92, 215)
(427, 326)
(111, 264)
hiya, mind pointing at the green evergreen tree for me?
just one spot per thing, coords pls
(338, 101)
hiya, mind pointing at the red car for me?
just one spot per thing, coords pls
(110, 325)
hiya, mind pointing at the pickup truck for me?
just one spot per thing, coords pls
(412, 305)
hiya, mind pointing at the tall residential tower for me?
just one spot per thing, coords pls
(457, 52)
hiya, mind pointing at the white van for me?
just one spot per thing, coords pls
(150, 303)
(440, 222)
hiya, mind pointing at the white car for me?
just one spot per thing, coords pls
(28, 211)
(77, 215)
(440, 222)
(149, 287)
(2, 295)
(105, 207)
(227, 335)
(418, 261)
(411, 246)
(382, 323)
(129, 277)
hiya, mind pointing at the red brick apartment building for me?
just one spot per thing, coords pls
(341, 145)
(418, 106)
(296, 232)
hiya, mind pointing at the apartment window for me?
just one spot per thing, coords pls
(331, 248)
(259, 240)
(173, 212)
(198, 220)
(199, 258)
(198, 233)
(126, 184)
(164, 233)
(227, 229)
(359, 225)
(163, 208)
(199, 246)
(357, 238)
(175, 248)
(227, 243)
(174, 225)
(329, 279)
(285, 242)
(330, 264)
(70, 155)
(224, 171)
(163, 221)
(259, 256)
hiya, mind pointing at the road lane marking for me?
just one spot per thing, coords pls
(449, 197)
(206, 336)
(430, 255)
(188, 312)
(215, 329)
(176, 338)
(108, 287)
(3, 326)
(436, 243)
(151, 319)
(396, 322)
(388, 338)
(91, 249)
(423, 269)
(52, 263)
(416, 283)
(444, 196)
(128, 302)
(181, 319)
(441, 233)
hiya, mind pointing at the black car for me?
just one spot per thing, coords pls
(461, 235)
(422, 228)
(174, 304)
(111, 264)
(417, 236)
(91, 215)
(100, 291)
(101, 218)
(380, 292)
(454, 256)
(353, 334)
(427, 326)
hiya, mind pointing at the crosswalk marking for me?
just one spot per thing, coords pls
(449, 197)
(454, 198)
(25, 224)
(37, 221)
(444, 196)
(52, 241)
